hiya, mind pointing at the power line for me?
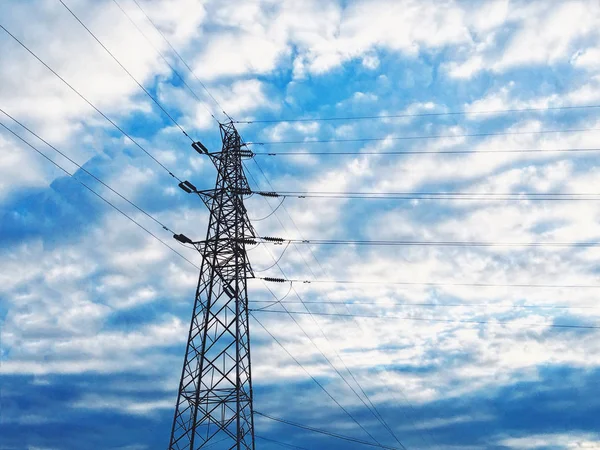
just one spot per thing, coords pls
(430, 152)
(281, 444)
(434, 284)
(356, 323)
(98, 195)
(414, 197)
(313, 378)
(157, 29)
(88, 172)
(278, 301)
(165, 60)
(429, 243)
(474, 196)
(484, 194)
(406, 115)
(180, 57)
(127, 71)
(274, 211)
(373, 410)
(435, 136)
(424, 319)
(275, 263)
(437, 305)
(216, 442)
(136, 143)
(327, 433)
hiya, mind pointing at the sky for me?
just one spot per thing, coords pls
(475, 354)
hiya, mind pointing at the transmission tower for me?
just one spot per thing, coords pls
(214, 404)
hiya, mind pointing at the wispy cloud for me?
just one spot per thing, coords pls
(94, 312)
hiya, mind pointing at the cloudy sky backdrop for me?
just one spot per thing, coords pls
(94, 311)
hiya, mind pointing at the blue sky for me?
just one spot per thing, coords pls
(94, 312)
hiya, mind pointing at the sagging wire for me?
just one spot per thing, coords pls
(273, 212)
(276, 302)
(276, 262)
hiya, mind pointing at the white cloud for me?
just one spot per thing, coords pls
(129, 405)
(445, 421)
(61, 296)
(243, 96)
(545, 34)
(500, 354)
(370, 62)
(12, 158)
(557, 440)
(238, 54)
(60, 300)
(320, 36)
(510, 96)
(467, 68)
(588, 58)
(548, 32)
(32, 94)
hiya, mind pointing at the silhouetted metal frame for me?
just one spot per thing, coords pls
(216, 377)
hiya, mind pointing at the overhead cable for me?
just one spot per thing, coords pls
(434, 136)
(136, 143)
(455, 196)
(483, 194)
(275, 263)
(274, 211)
(180, 57)
(384, 304)
(312, 377)
(430, 152)
(424, 114)
(98, 195)
(277, 301)
(317, 430)
(432, 284)
(426, 319)
(374, 410)
(165, 60)
(396, 243)
(280, 443)
(127, 71)
(89, 173)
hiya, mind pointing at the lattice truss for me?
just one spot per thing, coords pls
(214, 405)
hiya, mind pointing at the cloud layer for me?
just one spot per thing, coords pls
(94, 310)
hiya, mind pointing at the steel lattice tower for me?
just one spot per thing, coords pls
(214, 405)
